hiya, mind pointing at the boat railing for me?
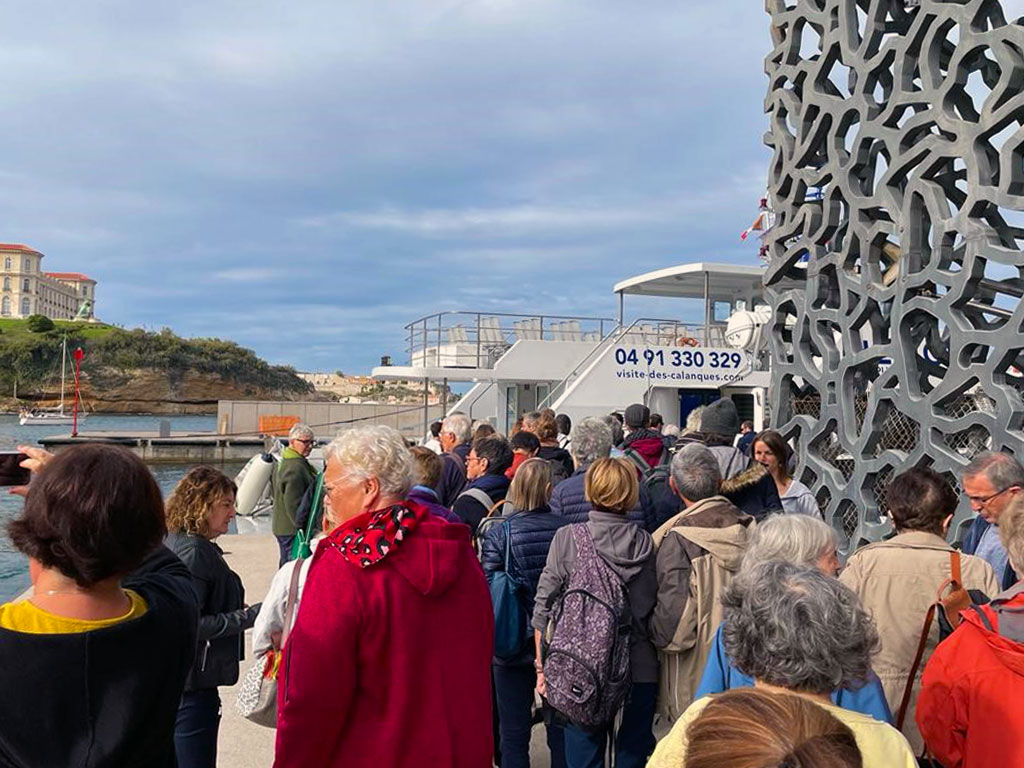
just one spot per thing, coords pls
(477, 339)
(647, 332)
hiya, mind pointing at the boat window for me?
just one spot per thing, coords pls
(721, 311)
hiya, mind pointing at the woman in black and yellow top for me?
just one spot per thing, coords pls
(199, 510)
(95, 660)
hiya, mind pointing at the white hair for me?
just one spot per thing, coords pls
(374, 451)
(799, 539)
(670, 430)
(300, 431)
(458, 424)
(693, 419)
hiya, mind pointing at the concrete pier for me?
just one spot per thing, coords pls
(169, 448)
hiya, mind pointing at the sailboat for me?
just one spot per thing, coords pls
(56, 416)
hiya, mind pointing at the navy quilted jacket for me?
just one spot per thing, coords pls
(532, 533)
(569, 501)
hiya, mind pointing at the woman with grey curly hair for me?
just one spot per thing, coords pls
(395, 601)
(795, 630)
(802, 540)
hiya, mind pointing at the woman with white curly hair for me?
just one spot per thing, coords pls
(389, 662)
(795, 630)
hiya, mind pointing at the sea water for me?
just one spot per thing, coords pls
(13, 566)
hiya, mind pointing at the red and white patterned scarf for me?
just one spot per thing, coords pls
(369, 537)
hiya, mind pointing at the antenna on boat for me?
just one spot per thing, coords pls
(79, 354)
(63, 366)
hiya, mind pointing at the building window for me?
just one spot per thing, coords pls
(5, 308)
(26, 286)
(7, 263)
(26, 265)
(7, 283)
(26, 307)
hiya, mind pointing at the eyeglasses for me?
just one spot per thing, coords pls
(983, 500)
(474, 458)
(305, 441)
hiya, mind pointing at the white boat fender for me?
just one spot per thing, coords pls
(252, 482)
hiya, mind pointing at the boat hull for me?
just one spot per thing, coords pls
(56, 419)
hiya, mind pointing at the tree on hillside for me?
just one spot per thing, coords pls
(39, 323)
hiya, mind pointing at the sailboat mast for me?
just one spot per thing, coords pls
(63, 358)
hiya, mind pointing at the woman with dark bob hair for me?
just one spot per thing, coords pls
(200, 508)
(96, 658)
(898, 579)
(795, 630)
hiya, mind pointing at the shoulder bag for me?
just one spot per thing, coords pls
(257, 694)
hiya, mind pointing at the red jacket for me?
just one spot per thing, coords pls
(390, 665)
(972, 693)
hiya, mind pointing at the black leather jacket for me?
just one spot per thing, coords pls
(223, 617)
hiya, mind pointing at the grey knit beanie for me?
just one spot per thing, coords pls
(720, 418)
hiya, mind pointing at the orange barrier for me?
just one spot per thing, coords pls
(277, 425)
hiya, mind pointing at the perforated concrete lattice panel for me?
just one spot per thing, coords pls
(895, 261)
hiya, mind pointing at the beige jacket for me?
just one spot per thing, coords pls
(698, 554)
(897, 580)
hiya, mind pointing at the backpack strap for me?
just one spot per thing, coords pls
(293, 592)
(954, 602)
(479, 496)
(921, 645)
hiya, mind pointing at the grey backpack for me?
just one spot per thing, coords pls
(586, 668)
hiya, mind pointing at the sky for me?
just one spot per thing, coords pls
(306, 178)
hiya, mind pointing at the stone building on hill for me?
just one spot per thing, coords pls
(27, 290)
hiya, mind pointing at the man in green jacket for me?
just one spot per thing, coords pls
(293, 476)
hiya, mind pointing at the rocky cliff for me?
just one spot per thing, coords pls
(138, 371)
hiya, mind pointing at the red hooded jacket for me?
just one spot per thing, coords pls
(972, 693)
(390, 665)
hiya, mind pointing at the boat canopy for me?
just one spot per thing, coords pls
(696, 281)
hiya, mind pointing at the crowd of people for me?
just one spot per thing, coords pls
(613, 579)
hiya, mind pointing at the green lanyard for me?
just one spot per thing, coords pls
(302, 538)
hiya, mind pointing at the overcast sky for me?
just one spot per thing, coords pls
(305, 178)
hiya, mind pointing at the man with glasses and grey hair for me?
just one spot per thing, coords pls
(456, 436)
(293, 475)
(991, 481)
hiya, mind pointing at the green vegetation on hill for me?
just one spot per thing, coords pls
(32, 357)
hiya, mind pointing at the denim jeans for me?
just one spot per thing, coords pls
(195, 729)
(514, 686)
(285, 543)
(634, 741)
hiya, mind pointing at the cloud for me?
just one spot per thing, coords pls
(375, 161)
(247, 275)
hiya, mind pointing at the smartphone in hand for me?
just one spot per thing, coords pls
(11, 471)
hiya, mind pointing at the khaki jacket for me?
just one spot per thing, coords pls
(698, 554)
(897, 580)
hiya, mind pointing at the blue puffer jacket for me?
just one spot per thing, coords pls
(532, 533)
(569, 500)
